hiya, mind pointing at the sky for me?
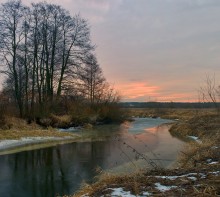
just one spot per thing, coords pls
(153, 50)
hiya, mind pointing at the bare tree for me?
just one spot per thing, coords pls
(76, 44)
(92, 83)
(45, 52)
(11, 36)
(210, 92)
(91, 79)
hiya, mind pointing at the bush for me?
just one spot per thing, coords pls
(109, 113)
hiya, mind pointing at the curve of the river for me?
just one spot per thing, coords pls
(60, 170)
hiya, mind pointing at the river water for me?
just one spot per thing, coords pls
(61, 169)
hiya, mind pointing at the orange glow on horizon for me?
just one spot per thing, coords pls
(143, 92)
(137, 89)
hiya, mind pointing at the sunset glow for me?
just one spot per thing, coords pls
(137, 90)
(158, 50)
(143, 92)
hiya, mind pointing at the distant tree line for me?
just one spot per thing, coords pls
(46, 54)
(168, 105)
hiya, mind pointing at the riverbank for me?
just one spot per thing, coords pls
(30, 143)
(198, 167)
(20, 134)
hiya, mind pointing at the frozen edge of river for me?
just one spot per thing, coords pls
(26, 141)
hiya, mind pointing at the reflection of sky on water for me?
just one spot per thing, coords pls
(141, 124)
(61, 169)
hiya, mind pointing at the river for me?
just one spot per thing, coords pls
(61, 169)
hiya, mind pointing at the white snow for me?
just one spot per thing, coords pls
(192, 178)
(195, 138)
(147, 193)
(7, 144)
(121, 192)
(210, 161)
(216, 173)
(189, 176)
(168, 177)
(116, 192)
(214, 162)
(164, 188)
(69, 129)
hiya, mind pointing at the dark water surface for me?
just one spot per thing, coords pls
(59, 170)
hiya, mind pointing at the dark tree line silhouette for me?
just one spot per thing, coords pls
(47, 54)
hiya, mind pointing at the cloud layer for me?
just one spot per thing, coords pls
(160, 49)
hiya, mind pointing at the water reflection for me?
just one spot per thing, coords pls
(61, 169)
(50, 171)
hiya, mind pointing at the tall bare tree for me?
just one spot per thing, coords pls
(11, 36)
(92, 83)
(76, 44)
(44, 51)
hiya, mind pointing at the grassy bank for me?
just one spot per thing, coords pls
(16, 128)
(198, 167)
(168, 113)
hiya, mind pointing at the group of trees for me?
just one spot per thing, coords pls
(45, 54)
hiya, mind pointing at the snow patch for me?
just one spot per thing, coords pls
(164, 188)
(215, 147)
(172, 178)
(7, 144)
(69, 129)
(194, 138)
(192, 178)
(211, 162)
(147, 193)
(214, 162)
(168, 177)
(215, 173)
(121, 192)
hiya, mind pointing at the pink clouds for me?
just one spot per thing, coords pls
(143, 92)
(135, 90)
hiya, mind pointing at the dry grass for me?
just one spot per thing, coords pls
(198, 154)
(17, 123)
(168, 113)
(18, 128)
(203, 126)
(206, 183)
(60, 121)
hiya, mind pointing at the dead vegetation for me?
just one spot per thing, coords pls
(179, 182)
(16, 128)
(200, 154)
(203, 126)
(168, 113)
